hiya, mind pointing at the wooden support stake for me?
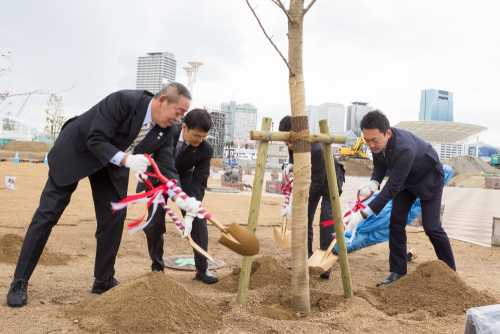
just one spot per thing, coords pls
(337, 212)
(253, 216)
(285, 136)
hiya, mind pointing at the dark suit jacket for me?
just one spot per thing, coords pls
(192, 165)
(414, 165)
(318, 170)
(87, 142)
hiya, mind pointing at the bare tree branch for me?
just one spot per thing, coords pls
(286, 62)
(308, 7)
(282, 6)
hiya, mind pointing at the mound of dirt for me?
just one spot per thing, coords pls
(278, 304)
(265, 271)
(10, 248)
(216, 163)
(358, 167)
(469, 164)
(151, 303)
(432, 287)
(26, 146)
(468, 180)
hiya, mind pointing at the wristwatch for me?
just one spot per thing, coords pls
(363, 214)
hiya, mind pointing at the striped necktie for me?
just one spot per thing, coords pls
(142, 133)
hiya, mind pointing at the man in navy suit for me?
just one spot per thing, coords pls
(192, 161)
(103, 144)
(415, 171)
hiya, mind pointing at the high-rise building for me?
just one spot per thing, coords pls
(217, 133)
(152, 69)
(240, 120)
(436, 105)
(335, 114)
(355, 113)
(312, 117)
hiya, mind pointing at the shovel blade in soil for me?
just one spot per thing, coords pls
(284, 241)
(320, 259)
(240, 241)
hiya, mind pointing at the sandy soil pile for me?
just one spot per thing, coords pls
(358, 167)
(26, 146)
(469, 164)
(10, 248)
(433, 287)
(152, 303)
(265, 271)
(216, 163)
(468, 180)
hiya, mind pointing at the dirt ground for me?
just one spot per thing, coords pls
(56, 292)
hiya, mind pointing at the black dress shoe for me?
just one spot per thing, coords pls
(18, 293)
(326, 274)
(206, 277)
(289, 267)
(103, 286)
(393, 277)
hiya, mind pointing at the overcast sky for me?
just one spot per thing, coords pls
(381, 52)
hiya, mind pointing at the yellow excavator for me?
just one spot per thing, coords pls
(357, 151)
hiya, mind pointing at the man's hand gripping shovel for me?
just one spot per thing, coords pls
(322, 260)
(235, 237)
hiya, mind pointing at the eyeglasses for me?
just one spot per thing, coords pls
(198, 137)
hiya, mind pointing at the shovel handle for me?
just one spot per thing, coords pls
(329, 250)
(283, 227)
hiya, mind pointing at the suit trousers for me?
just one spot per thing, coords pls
(326, 215)
(154, 234)
(431, 222)
(53, 202)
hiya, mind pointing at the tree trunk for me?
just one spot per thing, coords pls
(302, 163)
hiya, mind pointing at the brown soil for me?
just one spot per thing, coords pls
(432, 287)
(26, 146)
(216, 163)
(358, 167)
(129, 308)
(468, 180)
(469, 164)
(55, 289)
(265, 271)
(10, 248)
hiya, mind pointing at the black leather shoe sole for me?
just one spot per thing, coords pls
(207, 280)
(16, 303)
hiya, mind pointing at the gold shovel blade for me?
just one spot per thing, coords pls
(284, 241)
(239, 240)
(320, 260)
(197, 248)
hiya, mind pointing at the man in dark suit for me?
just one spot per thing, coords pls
(415, 171)
(99, 144)
(318, 190)
(192, 162)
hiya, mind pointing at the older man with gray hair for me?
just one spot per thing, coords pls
(103, 144)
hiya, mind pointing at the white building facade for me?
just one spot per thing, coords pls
(240, 120)
(312, 117)
(355, 113)
(335, 114)
(153, 68)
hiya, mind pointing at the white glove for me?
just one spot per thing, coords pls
(188, 205)
(287, 211)
(289, 170)
(353, 220)
(188, 226)
(137, 163)
(140, 177)
(366, 189)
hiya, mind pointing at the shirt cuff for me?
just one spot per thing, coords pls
(375, 181)
(368, 211)
(117, 158)
(171, 193)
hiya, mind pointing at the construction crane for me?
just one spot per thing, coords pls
(10, 123)
(357, 151)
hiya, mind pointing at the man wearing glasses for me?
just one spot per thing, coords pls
(192, 160)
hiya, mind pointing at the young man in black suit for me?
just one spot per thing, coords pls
(192, 162)
(415, 171)
(318, 190)
(103, 144)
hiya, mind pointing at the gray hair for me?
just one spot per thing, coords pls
(173, 92)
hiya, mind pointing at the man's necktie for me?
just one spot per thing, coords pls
(142, 133)
(180, 149)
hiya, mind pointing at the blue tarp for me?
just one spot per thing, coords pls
(375, 229)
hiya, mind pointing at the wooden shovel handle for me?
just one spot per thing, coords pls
(329, 250)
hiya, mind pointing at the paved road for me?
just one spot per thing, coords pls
(467, 216)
